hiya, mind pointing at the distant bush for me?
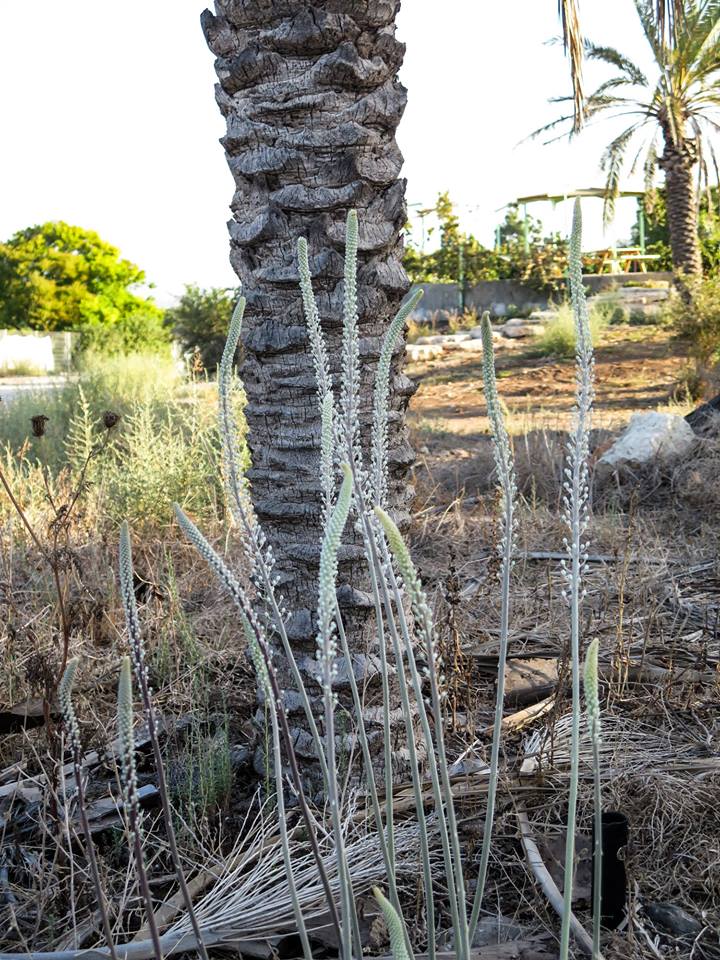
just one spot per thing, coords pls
(612, 311)
(201, 319)
(164, 447)
(558, 337)
(697, 317)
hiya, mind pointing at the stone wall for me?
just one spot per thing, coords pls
(502, 297)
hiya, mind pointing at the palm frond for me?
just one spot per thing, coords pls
(614, 58)
(716, 168)
(573, 43)
(612, 162)
(647, 11)
(700, 31)
(650, 167)
(669, 15)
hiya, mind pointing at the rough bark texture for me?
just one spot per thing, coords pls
(312, 101)
(678, 162)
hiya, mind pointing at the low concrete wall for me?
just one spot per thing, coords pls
(39, 352)
(501, 297)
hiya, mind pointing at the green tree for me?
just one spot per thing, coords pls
(459, 257)
(657, 235)
(201, 320)
(679, 107)
(541, 261)
(55, 276)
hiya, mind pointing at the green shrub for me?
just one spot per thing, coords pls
(697, 316)
(165, 446)
(56, 276)
(558, 337)
(612, 312)
(201, 319)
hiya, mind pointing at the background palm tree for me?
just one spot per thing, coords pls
(678, 108)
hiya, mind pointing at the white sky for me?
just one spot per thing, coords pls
(108, 121)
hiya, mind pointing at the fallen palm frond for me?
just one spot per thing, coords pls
(628, 744)
(546, 882)
(249, 900)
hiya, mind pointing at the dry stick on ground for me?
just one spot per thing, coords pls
(547, 884)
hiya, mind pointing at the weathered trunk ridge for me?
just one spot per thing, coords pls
(678, 162)
(312, 101)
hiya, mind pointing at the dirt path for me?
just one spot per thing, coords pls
(637, 368)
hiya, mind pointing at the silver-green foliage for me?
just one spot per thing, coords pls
(576, 491)
(592, 706)
(505, 470)
(359, 501)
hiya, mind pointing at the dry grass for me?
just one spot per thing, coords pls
(653, 600)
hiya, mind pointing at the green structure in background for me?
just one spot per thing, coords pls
(600, 193)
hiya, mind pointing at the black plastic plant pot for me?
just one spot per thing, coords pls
(613, 888)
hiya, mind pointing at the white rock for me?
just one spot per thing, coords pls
(419, 352)
(650, 436)
(424, 341)
(521, 329)
(473, 346)
(541, 316)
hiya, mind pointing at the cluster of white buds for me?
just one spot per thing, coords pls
(575, 496)
(349, 394)
(323, 379)
(235, 481)
(502, 452)
(327, 597)
(327, 453)
(257, 550)
(312, 318)
(254, 634)
(592, 693)
(418, 600)
(379, 481)
(576, 485)
(66, 706)
(127, 594)
(126, 739)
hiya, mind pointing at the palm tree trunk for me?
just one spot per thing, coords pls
(677, 162)
(312, 101)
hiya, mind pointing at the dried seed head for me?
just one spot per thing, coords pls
(110, 419)
(38, 424)
(66, 705)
